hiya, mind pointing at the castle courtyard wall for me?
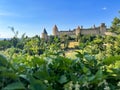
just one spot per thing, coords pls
(89, 31)
(66, 33)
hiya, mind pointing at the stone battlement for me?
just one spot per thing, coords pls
(100, 30)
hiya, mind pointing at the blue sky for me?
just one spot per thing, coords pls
(32, 16)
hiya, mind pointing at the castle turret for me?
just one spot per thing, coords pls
(81, 27)
(94, 26)
(55, 31)
(44, 34)
(78, 31)
(102, 28)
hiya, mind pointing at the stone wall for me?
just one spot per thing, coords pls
(66, 33)
(85, 31)
(100, 30)
(90, 31)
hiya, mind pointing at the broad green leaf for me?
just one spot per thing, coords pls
(63, 79)
(2, 68)
(24, 77)
(111, 60)
(85, 69)
(38, 61)
(99, 75)
(14, 86)
(3, 60)
(91, 78)
(88, 57)
(79, 55)
(36, 84)
(6, 74)
(41, 75)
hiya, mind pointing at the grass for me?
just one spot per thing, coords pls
(73, 44)
(70, 53)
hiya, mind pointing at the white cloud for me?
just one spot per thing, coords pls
(104, 8)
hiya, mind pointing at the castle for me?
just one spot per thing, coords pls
(100, 30)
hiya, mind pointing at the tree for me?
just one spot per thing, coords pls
(31, 46)
(4, 44)
(65, 40)
(116, 25)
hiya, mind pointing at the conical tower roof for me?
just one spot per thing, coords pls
(78, 28)
(55, 28)
(44, 31)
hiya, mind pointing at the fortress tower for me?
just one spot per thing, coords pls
(55, 31)
(102, 28)
(44, 34)
(99, 30)
(78, 31)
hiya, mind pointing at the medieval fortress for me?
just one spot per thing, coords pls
(100, 30)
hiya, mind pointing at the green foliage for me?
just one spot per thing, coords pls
(35, 64)
(116, 25)
(3, 61)
(65, 40)
(15, 86)
(4, 44)
(52, 71)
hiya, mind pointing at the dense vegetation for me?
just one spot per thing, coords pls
(35, 64)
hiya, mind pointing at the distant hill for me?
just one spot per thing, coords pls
(5, 38)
